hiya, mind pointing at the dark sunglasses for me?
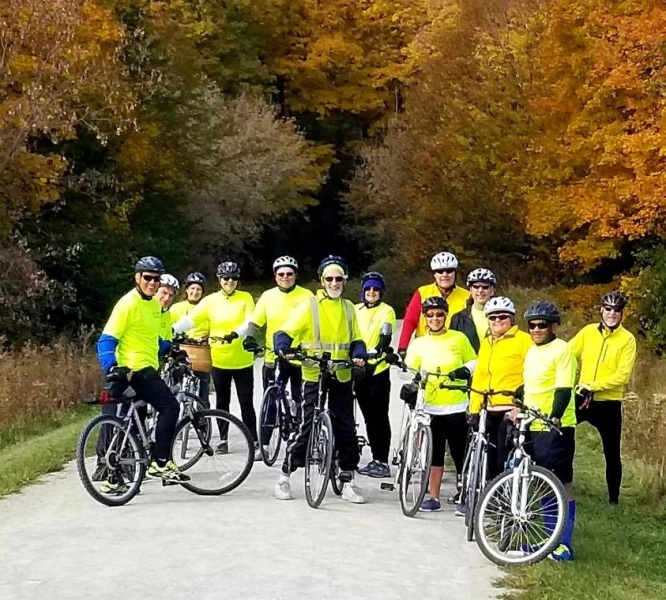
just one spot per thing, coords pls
(499, 317)
(480, 286)
(150, 278)
(437, 315)
(538, 325)
(332, 279)
(614, 309)
(230, 277)
(442, 271)
(372, 288)
(289, 274)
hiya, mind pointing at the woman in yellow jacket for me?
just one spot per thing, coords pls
(225, 314)
(499, 367)
(447, 352)
(376, 320)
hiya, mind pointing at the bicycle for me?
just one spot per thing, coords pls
(114, 452)
(413, 456)
(522, 512)
(475, 466)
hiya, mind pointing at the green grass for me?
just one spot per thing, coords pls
(40, 449)
(620, 551)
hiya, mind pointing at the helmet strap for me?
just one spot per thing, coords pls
(548, 340)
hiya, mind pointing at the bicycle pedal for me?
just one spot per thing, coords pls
(387, 487)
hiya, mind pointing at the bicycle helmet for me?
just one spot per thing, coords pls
(499, 304)
(167, 280)
(434, 302)
(285, 261)
(332, 259)
(543, 310)
(149, 263)
(614, 299)
(195, 277)
(481, 276)
(373, 278)
(443, 260)
(228, 267)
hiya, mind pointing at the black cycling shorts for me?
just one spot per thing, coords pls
(555, 452)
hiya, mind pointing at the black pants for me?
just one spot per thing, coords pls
(372, 394)
(204, 388)
(499, 449)
(451, 429)
(341, 407)
(606, 416)
(244, 381)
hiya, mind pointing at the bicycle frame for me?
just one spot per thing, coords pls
(521, 473)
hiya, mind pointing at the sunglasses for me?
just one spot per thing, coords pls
(538, 325)
(480, 286)
(372, 288)
(332, 279)
(150, 278)
(437, 315)
(612, 309)
(229, 277)
(442, 271)
(289, 274)
(499, 317)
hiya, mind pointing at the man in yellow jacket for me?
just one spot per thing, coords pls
(326, 323)
(606, 352)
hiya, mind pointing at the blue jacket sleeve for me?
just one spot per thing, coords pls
(106, 351)
(281, 341)
(165, 346)
(358, 349)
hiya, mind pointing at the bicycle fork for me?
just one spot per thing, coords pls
(519, 489)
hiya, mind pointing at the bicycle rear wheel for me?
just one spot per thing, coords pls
(336, 484)
(189, 404)
(415, 468)
(318, 459)
(217, 453)
(270, 433)
(523, 539)
(110, 460)
(474, 485)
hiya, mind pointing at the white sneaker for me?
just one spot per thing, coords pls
(282, 490)
(351, 493)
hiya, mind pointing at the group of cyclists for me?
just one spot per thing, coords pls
(468, 334)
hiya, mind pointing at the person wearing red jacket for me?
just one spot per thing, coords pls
(444, 267)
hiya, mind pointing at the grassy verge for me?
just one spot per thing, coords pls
(619, 550)
(43, 448)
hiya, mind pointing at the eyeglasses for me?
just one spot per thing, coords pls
(480, 286)
(442, 271)
(150, 278)
(372, 288)
(539, 325)
(499, 317)
(437, 315)
(614, 309)
(229, 277)
(332, 279)
(289, 274)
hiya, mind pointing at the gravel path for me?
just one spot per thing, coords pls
(57, 543)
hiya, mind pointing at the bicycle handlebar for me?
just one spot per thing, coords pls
(536, 414)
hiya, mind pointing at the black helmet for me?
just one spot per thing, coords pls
(332, 259)
(228, 267)
(614, 299)
(149, 263)
(543, 310)
(195, 277)
(434, 302)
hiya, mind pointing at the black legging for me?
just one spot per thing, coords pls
(606, 416)
(451, 429)
(244, 380)
(500, 446)
(372, 394)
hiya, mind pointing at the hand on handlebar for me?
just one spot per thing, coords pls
(359, 362)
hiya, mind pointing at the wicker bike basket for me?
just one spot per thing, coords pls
(199, 357)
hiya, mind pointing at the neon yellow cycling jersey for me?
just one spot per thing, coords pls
(370, 322)
(182, 309)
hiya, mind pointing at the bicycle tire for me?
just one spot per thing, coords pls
(336, 484)
(84, 451)
(421, 442)
(197, 406)
(214, 473)
(271, 400)
(474, 488)
(525, 555)
(319, 453)
(467, 463)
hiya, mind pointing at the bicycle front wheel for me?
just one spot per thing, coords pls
(110, 461)
(415, 468)
(217, 453)
(270, 434)
(336, 484)
(528, 535)
(318, 459)
(475, 483)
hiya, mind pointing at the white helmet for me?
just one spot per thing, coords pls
(285, 261)
(481, 276)
(167, 280)
(443, 260)
(499, 304)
